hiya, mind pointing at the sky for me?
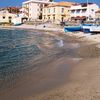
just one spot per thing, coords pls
(5, 3)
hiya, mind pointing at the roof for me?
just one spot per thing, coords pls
(63, 4)
(98, 11)
(37, 1)
(83, 4)
(79, 17)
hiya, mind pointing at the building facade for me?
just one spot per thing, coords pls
(97, 14)
(58, 12)
(6, 17)
(32, 9)
(83, 11)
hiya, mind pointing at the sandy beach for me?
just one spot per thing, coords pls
(81, 82)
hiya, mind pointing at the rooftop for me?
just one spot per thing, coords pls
(63, 4)
(83, 4)
(37, 1)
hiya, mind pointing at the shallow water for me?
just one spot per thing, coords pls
(18, 51)
(35, 61)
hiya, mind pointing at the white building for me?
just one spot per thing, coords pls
(83, 11)
(6, 17)
(32, 9)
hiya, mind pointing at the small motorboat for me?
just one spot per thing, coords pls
(72, 28)
(86, 28)
(17, 24)
(95, 29)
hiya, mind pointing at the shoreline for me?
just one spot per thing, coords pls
(83, 80)
(84, 36)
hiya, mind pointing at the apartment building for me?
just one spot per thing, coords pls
(83, 11)
(32, 9)
(57, 12)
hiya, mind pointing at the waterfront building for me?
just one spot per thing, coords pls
(97, 14)
(57, 12)
(83, 11)
(32, 9)
(6, 17)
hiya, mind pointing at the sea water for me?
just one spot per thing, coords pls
(17, 47)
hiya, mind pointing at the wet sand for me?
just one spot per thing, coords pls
(61, 76)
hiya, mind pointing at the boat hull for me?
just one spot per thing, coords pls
(72, 28)
(95, 29)
(17, 24)
(86, 29)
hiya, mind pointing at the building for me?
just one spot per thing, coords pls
(83, 11)
(6, 17)
(14, 10)
(57, 12)
(32, 9)
(97, 14)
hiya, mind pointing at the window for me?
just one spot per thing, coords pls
(78, 11)
(84, 10)
(73, 11)
(54, 10)
(10, 17)
(53, 18)
(62, 10)
(38, 9)
(92, 9)
(41, 9)
(3, 17)
(49, 17)
(62, 18)
(48, 10)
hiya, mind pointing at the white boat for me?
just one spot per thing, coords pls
(95, 29)
(86, 29)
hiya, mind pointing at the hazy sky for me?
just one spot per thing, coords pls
(4, 3)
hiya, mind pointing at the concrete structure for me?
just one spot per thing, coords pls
(6, 17)
(32, 9)
(58, 12)
(83, 11)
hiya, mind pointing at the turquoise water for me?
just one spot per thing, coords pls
(17, 48)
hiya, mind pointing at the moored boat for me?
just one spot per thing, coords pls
(95, 29)
(72, 28)
(17, 24)
(86, 28)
